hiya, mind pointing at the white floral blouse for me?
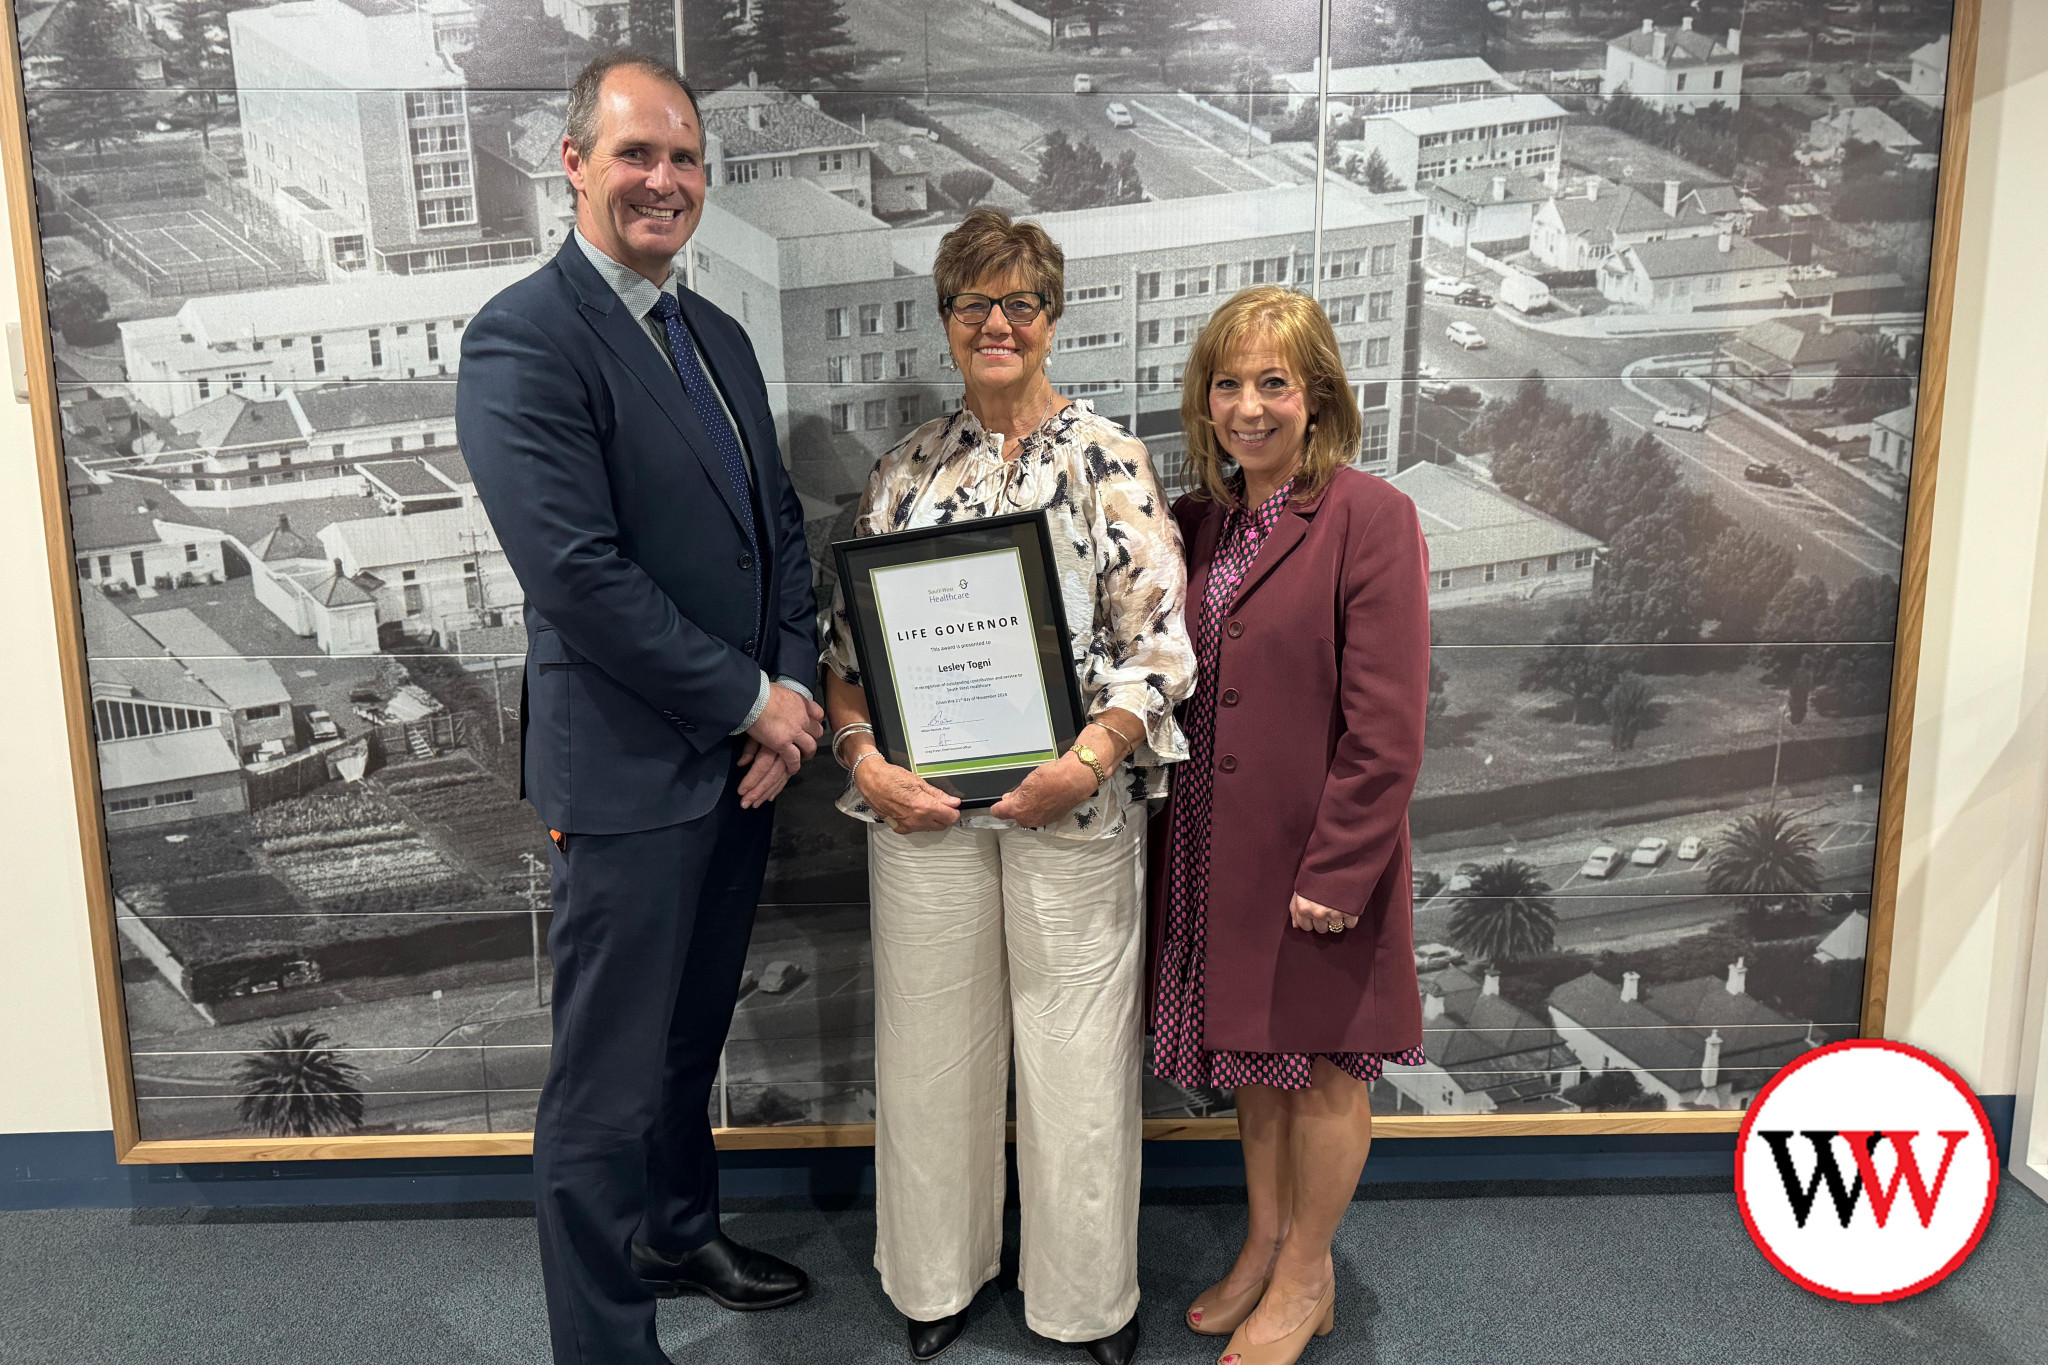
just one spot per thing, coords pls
(1123, 577)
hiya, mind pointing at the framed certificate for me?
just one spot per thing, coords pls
(963, 644)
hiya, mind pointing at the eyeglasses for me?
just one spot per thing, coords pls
(972, 310)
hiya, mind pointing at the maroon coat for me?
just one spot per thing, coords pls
(1322, 683)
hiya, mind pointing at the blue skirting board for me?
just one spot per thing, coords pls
(78, 1170)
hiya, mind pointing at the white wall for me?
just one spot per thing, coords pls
(52, 1071)
(1979, 795)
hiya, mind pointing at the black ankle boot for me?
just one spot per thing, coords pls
(927, 1339)
(1118, 1348)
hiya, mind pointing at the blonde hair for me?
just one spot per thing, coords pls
(1295, 326)
(990, 242)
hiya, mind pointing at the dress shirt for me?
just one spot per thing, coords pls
(640, 294)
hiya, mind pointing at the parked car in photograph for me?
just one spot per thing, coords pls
(1430, 957)
(322, 726)
(1472, 296)
(1119, 114)
(1690, 848)
(1762, 471)
(1466, 335)
(1680, 419)
(1601, 862)
(1650, 851)
(1443, 287)
(1084, 84)
(1461, 878)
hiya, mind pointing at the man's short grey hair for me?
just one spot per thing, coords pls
(582, 126)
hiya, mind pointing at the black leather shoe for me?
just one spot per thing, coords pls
(927, 1339)
(723, 1271)
(1118, 1348)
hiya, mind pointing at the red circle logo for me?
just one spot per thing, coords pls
(1866, 1171)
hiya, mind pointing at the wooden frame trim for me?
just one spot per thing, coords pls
(129, 1149)
(1941, 299)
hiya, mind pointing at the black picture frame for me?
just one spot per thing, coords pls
(1028, 533)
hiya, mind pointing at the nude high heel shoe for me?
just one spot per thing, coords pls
(1322, 1319)
(1213, 1315)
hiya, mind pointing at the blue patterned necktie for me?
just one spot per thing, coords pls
(683, 350)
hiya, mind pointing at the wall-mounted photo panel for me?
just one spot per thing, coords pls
(1634, 297)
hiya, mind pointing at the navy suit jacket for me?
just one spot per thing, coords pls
(630, 543)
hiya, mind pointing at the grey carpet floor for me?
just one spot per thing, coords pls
(1631, 1272)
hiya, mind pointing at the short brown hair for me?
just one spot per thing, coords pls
(990, 242)
(1298, 329)
(589, 84)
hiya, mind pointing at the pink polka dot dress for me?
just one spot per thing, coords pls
(1177, 1018)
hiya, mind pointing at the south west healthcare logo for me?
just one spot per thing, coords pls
(1866, 1171)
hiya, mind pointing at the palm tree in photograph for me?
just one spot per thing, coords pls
(1504, 915)
(1763, 857)
(297, 1086)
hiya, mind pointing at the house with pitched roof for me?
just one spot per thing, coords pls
(756, 133)
(1485, 546)
(520, 184)
(251, 690)
(1583, 231)
(1485, 1054)
(1675, 68)
(133, 534)
(432, 575)
(1694, 273)
(1828, 138)
(1493, 212)
(166, 742)
(1705, 1043)
(1791, 358)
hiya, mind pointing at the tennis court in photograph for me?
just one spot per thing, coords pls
(186, 246)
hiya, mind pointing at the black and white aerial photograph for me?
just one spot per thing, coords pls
(1631, 294)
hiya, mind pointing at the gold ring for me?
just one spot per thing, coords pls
(1338, 927)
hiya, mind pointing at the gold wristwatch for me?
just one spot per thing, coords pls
(1087, 756)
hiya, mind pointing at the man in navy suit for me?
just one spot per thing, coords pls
(618, 429)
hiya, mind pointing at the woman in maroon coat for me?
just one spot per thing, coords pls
(1284, 966)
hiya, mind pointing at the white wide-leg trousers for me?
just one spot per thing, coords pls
(979, 935)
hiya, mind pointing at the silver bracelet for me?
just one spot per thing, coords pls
(859, 727)
(872, 753)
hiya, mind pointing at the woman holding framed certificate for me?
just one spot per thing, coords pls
(1282, 925)
(1004, 651)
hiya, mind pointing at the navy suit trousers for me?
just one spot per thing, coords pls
(649, 939)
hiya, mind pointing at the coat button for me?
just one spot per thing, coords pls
(746, 561)
(749, 645)
(1230, 696)
(1236, 629)
(1228, 763)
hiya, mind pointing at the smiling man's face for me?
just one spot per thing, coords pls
(640, 190)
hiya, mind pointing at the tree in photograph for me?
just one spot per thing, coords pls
(1628, 710)
(1876, 379)
(1378, 176)
(1570, 664)
(798, 44)
(1798, 616)
(77, 308)
(1613, 1090)
(1647, 587)
(965, 186)
(1436, 718)
(1074, 175)
(1740, 574)
(712, 38)
(91, 97)
(1764, 856)
(1504, 915)
(297, 1086)
(1856, 668)
(1161, 27)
